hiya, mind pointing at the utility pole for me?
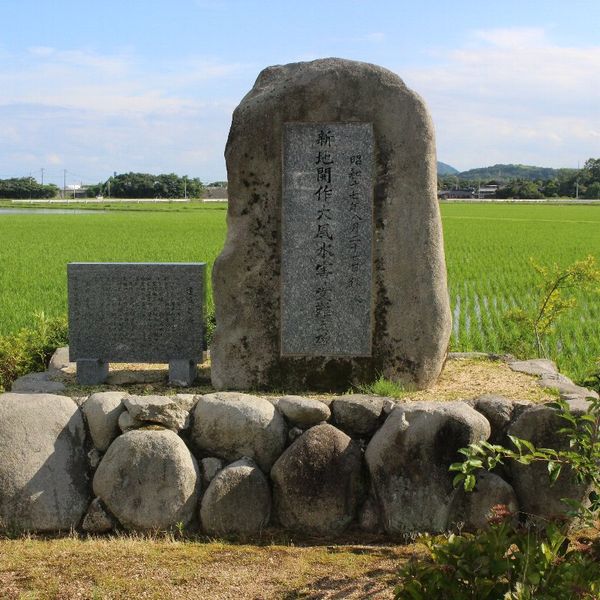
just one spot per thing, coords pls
(42, 176)
(64, 183)
(185, 187)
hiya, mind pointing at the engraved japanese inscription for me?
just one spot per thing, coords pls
(327, 237)
(136, 312)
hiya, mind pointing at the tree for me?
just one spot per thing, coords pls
(593, 190)
(26, 187)
(520, 188)
(591, 170)
(146, 185)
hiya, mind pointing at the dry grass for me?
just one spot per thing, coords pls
(122, 567)
(465, 379)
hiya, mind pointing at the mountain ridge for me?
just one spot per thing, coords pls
(505, 172)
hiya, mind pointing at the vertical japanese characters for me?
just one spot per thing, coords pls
(354, 239)
(324, 236)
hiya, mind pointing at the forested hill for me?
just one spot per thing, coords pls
(502, 173)
(444, 169)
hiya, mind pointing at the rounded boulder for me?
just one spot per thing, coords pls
(43, 464)
(318, 482)
(232, 425)
(237, 501)
(148, 479)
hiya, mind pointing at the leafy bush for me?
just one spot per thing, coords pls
(582, 456)
(503, 562)
(30, 349)
(519, 562)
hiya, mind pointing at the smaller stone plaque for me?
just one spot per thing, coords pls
(136, 312)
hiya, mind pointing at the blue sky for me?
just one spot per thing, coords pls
(147, 85)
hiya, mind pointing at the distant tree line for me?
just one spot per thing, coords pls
(563, 183)
(19, 188)
(145, 185)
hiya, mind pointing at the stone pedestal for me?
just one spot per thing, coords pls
(182, 372)
(91, 371)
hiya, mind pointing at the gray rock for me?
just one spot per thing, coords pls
(37, 383)
(565, 386)
(409, 290)
(408, 459)
(537, 497)
(318, 482)
(102, 411)
(358, 415)
(59, 363)
(389, 404)
(232, 425)
(473, 510)
(534, 366)
(500, 412)
(173, 412)
(97, 519)
(469, 356)
(43, 463)
(368, 519)
(94, 457)
(303, 412)
(148, 480)
(237, 501)
(294, 433)
(274, 400)
(209, 467)
(127, 422)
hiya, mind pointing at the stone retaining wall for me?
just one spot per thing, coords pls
(232, 463)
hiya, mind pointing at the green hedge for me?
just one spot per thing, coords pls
(30, 349)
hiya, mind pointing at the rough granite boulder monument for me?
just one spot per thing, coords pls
(333, 270)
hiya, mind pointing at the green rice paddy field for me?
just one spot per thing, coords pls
(488, 248)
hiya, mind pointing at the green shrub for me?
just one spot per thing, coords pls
(30, 349)
(519, 562)
(503, 562)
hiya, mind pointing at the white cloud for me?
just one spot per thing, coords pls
(512, 95)
(513, 37)
(97, 113)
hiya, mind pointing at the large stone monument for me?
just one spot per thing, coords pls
(333, 270)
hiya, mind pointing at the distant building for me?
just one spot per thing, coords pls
(461, 193)
(74, 191)
(487, 191)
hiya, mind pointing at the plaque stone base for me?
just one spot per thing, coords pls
(182, 372)
(91, 371)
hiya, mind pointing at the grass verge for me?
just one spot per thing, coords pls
(161, 568)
